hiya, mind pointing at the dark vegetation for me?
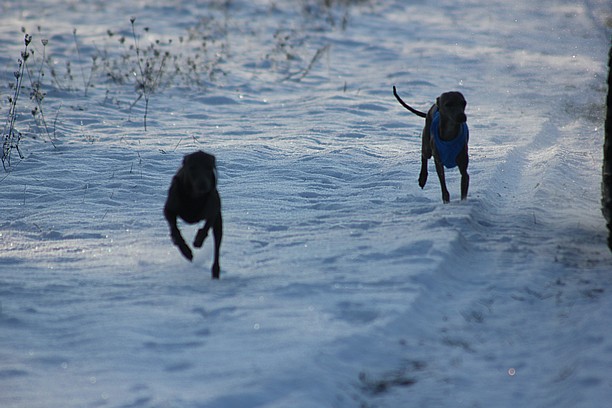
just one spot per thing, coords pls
(403, 377)
(11, 136)
(606, 184)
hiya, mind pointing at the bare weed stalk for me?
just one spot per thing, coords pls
(150, 72)
(298, 76)
(86, 82)
(27, 67)
(36, 92)
(11, 136)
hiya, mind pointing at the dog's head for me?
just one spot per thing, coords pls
(452, 105)
(199, 173)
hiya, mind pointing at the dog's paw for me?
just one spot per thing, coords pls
(186, 251)
(422, 180)
(188, 254)
(199, 239)
(216, 270)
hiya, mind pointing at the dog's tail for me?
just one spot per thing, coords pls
(405, 105)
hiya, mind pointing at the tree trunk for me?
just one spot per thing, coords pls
(606, 185)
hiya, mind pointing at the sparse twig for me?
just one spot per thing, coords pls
(10, 136)
(76, 44)
(298, 76)
(55, 122)
(162, 151)
(36, 93)
(150, 76)
(86, 82)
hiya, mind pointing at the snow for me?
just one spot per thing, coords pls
(342, 283)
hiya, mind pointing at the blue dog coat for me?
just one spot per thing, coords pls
(449, 150)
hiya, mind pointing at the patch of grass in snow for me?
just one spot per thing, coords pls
(149, 63)
(400, 378)
(31, 70)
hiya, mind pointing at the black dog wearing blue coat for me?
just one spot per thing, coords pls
(193, 197)
(445, 137)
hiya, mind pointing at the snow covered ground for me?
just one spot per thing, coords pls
(343, 284)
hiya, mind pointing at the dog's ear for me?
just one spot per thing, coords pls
(185, 158)
(213, 163)
(438, 101)
(211, 160)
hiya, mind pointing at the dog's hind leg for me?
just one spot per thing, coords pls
(426, 153)
(423, 174)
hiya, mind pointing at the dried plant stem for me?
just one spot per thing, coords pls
(78, 50)
(11, 138)
(143, 85)
(298, 76)
(149, 79)
(37, 94)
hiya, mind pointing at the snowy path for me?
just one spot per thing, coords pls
(343, 283)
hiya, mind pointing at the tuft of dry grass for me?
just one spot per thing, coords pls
(10, 135)
(195, 59)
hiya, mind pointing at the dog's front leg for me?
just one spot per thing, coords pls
(465, 183)
(462, 163)
(440, 171)
(202, 234)
(218, 232)
(177, 238)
